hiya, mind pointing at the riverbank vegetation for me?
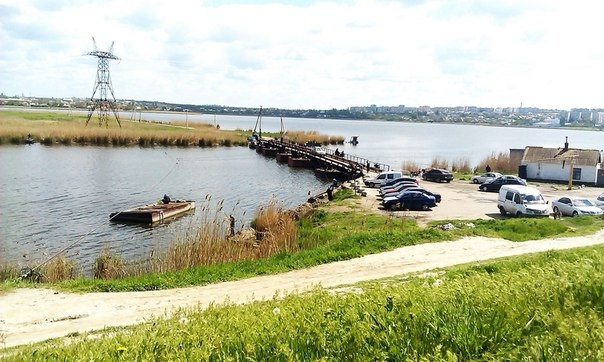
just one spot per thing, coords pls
(499, 162)
(63, 128)
(540, 307)
(279, 243)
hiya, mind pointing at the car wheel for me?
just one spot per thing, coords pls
(518, 214)
(502, 211)
(401, 205)
(575, 213)
(556, 210)
(475, 181)
(482, 188)
(372, 185)
(425, 207)
(448, 181)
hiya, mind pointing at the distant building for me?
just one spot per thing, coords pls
(559, 164)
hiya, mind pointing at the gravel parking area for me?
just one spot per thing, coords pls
(461, 199)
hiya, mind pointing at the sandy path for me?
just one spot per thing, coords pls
(31, 315)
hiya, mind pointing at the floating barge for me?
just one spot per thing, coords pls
(154, 213)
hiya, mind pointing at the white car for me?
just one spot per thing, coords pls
(485, 177)
(600, 201)
(575, 206)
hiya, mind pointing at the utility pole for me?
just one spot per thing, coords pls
(570, 173)
(102, 85)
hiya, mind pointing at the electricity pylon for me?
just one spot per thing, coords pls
(102, 84)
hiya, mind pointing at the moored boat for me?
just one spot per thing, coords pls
(303, 162)
(283, 156)
(154, 213)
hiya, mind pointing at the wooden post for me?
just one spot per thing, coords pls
(570, 175)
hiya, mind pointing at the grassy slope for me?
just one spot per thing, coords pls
(546, 306)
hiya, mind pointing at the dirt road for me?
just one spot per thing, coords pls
(31, 315)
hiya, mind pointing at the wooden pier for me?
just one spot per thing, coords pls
(325, 162)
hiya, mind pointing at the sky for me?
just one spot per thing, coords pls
(310, 54)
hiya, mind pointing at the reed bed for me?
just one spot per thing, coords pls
(50, 128)
(499, 162)
(58, 269)
(210, 241)
(302, 137)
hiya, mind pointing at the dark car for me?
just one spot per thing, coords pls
(437, 175)
(495, 185)
(410, 200)
(436, 195)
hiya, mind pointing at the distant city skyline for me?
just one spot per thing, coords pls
(380, 107)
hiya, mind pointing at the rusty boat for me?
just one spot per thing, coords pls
(154, 213)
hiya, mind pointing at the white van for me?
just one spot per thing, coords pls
(521, 201)
(382, 178)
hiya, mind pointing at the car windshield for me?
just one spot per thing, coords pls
(533, 199)
(583, 202)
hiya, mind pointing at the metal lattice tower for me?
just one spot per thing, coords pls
(102, 85)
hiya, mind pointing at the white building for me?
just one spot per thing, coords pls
(560, 164)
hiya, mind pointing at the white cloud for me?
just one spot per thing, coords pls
(309, 54)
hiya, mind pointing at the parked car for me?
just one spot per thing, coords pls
(396, 189)
(399, 191)
(600, 201)
(485, 177)
(437, 175)
(410, 200)
(521, 200)
(575, 206)
(495, 185)
(382, 178)
(436, 195)
(397, 180)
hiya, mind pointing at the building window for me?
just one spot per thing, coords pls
(576, 173)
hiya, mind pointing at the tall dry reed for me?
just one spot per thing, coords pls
(209, 240)
(59, 268)
(308, 136)
(109, 265)
(461, 165)
(439, 162)
(499, 162)
(411, 166)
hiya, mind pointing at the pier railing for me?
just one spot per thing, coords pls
(320, 157)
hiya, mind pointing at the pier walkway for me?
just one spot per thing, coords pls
(323, 161)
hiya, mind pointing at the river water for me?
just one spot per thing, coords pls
(57, 197)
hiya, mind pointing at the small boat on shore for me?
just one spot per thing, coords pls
(153, 213)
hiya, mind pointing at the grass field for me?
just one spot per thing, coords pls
(542, 307)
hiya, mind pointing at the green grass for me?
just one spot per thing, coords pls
(541, 307)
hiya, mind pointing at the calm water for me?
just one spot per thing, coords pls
(55, 197)
(395, 142)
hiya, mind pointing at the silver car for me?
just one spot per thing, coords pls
(485, 177)
(575, 206)
(600, 201)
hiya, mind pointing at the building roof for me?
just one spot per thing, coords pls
(558, 155)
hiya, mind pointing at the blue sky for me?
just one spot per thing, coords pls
(310, 54)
